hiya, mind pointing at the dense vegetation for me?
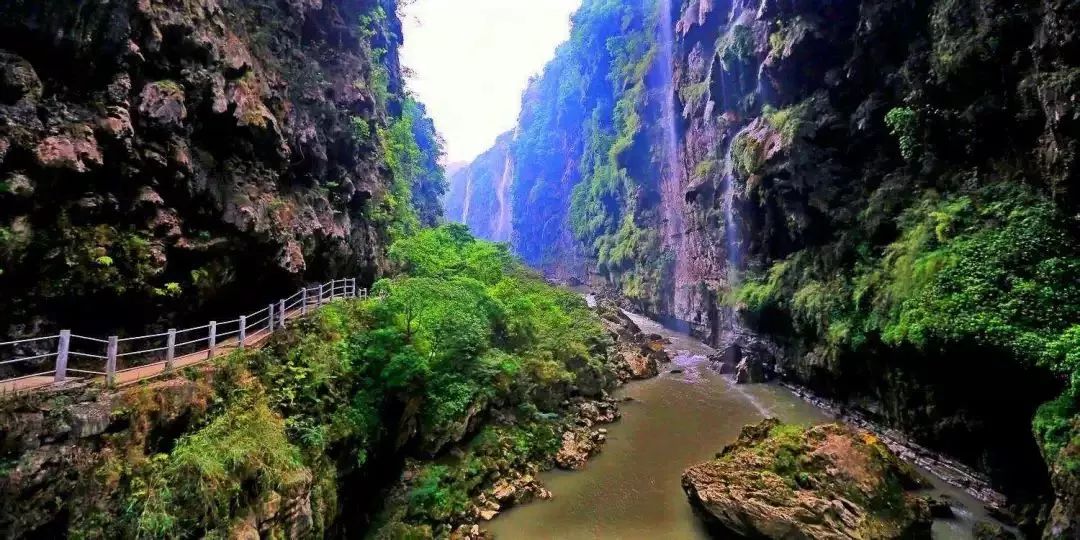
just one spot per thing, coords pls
(585, 177)
(322, 418)
(992, 270)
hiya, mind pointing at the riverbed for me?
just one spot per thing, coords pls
(632, 490)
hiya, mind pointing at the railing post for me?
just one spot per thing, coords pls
(212, 340)
(352, 288)
(243, 331)
(318, 303)
(303, 301)
(110, 361)
(62, 356)
(270, 318)
(281, 314)
(170, 349)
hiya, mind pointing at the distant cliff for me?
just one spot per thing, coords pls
(479, 193)
(157, 157)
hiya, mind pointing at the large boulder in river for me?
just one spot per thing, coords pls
(636, 355)
(823, 482)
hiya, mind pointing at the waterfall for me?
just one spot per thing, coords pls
(672, 199)
(731, 233)
(468, 197)
(667, 58)
(501, 231)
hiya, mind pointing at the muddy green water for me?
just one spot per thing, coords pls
(632, 489)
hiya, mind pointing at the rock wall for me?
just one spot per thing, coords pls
(155, 157)
(816, 132)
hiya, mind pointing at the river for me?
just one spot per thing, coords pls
(632, 490)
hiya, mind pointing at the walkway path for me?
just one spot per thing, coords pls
(154, 361)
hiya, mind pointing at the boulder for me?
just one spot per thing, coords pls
(749, 371)
(823, 482)
(749, 359)
(577, 447)
(76, 150)
(89, 419)
(940, 508)
(639, 366)
(726, 361)
(162, 103)
(18, 79)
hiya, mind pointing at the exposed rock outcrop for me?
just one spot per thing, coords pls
(636, 355)
(251, 123)
(584, 439)
(822, 482)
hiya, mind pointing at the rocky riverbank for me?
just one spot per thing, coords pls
(491, 468)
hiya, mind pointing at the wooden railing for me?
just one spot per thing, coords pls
(119, 361)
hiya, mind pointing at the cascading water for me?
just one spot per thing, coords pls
(501, 231)
(667, 58)
(741, 14)
(672, 201)
(731, 232)
(468, 198)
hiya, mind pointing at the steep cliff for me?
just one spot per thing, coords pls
(155, 157)
(479, 193)
(884, 190)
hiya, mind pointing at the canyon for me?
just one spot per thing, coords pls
(873, 204)
(876, 200)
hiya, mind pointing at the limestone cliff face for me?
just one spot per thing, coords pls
(190, 155)
(816, 135)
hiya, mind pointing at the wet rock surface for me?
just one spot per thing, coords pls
(827, 481)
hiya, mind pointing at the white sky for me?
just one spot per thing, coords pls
(472, 59)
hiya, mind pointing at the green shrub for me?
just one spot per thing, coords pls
(735, 46)
(902, 125)
(209, 474)
(786, 121)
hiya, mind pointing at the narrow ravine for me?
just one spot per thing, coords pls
(684, 416)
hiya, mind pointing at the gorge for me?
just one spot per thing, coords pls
(747, 251)
(877, 199)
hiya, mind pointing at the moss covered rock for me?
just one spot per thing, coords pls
(829, 481)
